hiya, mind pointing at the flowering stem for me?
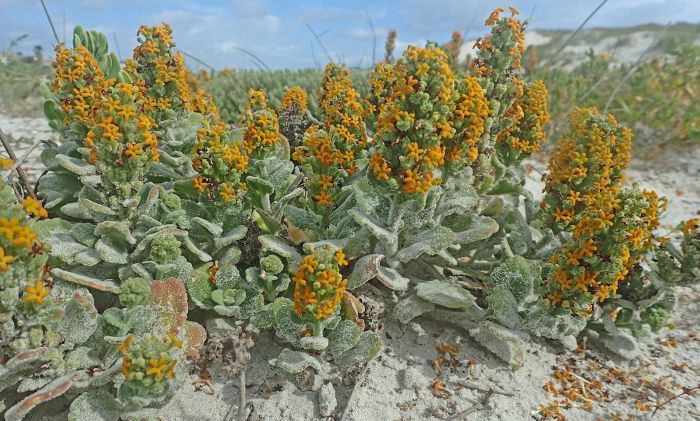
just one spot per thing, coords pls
(318, 328)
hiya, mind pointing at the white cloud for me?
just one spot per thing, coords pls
(365, 32)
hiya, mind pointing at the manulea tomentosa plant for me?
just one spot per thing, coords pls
(53, 342)
(161, 76)
(118, 225)
(417, 204)
(329, 154)
(316, 319)
(29, 310)
(606, 231)
(680, 265)
(117, 233)
(583, 188)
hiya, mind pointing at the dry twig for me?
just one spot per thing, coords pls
(479, 406)
(20, 172)
(687, 391)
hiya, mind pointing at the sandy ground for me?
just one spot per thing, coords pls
(24, 132)
(399, 385)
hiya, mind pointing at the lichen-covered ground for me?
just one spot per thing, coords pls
(403, 384)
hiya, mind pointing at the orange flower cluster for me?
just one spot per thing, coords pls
(196, 80)
(340, 106)
(469, 115)
(149, 360)
(220, 160)
(202, 103)
(415, 122)
(294, 95)
(530, 114)
(256, 100)
(381, 82)
(518, 111)
(318, 284)
(611, 228)
(34, 208)
(78, 84)
(321, 159)
(690, 225)
(19, 248)
(328, 154)
(122, 134)
(261, 126)
(507, 34)
(162, 76)
(586, 169)
(160, 73)
(17, 233)
(36, 293)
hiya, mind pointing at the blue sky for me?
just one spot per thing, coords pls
(277, 32)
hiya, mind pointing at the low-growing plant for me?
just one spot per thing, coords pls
(279, 222)
(53, 339)
(679, 265)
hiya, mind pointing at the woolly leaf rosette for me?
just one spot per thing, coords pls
(148, 364)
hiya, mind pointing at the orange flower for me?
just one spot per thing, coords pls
(340, 257)
(323, 198)
(33, 207)
(36, 293)
(133, 150)
(5, 260)
(200, 184)
(690, 225)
